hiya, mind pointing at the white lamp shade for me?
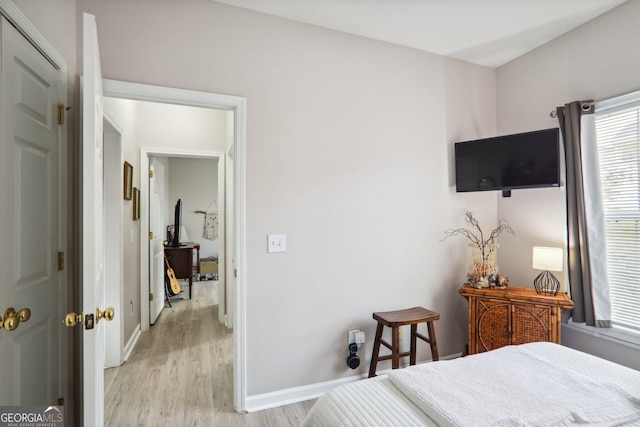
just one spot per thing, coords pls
(549, 259)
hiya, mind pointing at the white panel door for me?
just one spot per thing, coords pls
(28, 222)
(157, 222)
(93, 258)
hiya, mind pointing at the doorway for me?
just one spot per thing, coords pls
(236, 294)
(199, 183)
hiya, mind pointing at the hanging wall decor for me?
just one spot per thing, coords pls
(210, 230)
(210, 226)
(136, 204)
(128, 181)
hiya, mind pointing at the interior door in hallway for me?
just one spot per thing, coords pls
(157, 221)
(93, 233)
(29, 203)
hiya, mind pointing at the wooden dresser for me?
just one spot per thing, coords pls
(499, 317)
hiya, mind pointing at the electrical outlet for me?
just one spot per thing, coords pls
(356, 336)
(352, 336)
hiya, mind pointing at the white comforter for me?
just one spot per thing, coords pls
(538, 384)
(514, 386)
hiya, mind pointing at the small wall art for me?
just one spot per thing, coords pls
(128, 181)
(136, 204)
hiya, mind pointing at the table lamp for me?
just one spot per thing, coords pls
(547, 259)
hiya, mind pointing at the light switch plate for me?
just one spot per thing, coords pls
(276, 243)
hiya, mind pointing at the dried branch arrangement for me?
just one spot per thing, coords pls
(475, 235)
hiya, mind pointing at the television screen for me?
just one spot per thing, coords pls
(177, 222)
(524, 160)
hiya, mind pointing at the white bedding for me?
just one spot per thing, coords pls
(405, 399)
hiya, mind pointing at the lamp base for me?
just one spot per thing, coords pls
(546, 284)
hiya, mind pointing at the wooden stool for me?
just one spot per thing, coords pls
(395, 319)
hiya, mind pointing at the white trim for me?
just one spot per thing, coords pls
(168, 95)
(144, 241)
(31, 33)
(131, 343)
(239, 298)
(238, 105)
(618, 101)
(145, 153)
(180, 152)
(113, 204)
(617, 336)
(14, 15)
(274, 399)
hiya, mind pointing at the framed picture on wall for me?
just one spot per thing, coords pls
(136, 203)
(128, 181)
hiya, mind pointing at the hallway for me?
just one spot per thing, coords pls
(181, 374)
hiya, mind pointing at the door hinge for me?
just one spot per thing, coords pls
(60, 261)
(150, 173)
(61, 401)
(61, 109)
(150, 297)
(151, 235)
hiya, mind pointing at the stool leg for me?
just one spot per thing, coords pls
(432, 342)
(395, 347)
(412, 356)
(376, 350)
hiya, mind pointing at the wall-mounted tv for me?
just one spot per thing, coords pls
(523, 160)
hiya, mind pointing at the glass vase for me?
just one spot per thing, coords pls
(483, 265)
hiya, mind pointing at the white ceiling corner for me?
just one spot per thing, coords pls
(484, 32)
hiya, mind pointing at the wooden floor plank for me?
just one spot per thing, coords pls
(181, 374)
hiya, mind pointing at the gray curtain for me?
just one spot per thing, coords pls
(585, 221)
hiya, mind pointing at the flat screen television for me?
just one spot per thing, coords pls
(177, 222)
(523, 160)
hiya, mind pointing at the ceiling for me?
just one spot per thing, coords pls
(484, 32)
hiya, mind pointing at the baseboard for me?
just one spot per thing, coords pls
(128, 348)
(288, 396)
(274, 399)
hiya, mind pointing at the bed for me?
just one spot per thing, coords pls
(536, 384)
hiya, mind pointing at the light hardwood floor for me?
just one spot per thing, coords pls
(181, 374)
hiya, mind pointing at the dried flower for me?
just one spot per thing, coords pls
(477, 237)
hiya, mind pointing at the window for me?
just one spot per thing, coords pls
(618, 138)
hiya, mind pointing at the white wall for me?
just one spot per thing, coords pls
(179, 126)
(348, 153)
(195, 182)
(596, 61)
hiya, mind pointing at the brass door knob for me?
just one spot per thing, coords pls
(24, 314)
(11, 323)
(12, 319)
(72, 319)
(8, 313)
(107, 314)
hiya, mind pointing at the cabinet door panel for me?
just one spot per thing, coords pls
(531, 323)
(493, 325)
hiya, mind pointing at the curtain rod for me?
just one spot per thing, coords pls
(586, 106)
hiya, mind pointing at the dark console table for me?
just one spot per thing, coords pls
(181, 261)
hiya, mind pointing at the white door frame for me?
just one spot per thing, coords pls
(143, 92)
(145, 262)
(114, 292)
(67, 369)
